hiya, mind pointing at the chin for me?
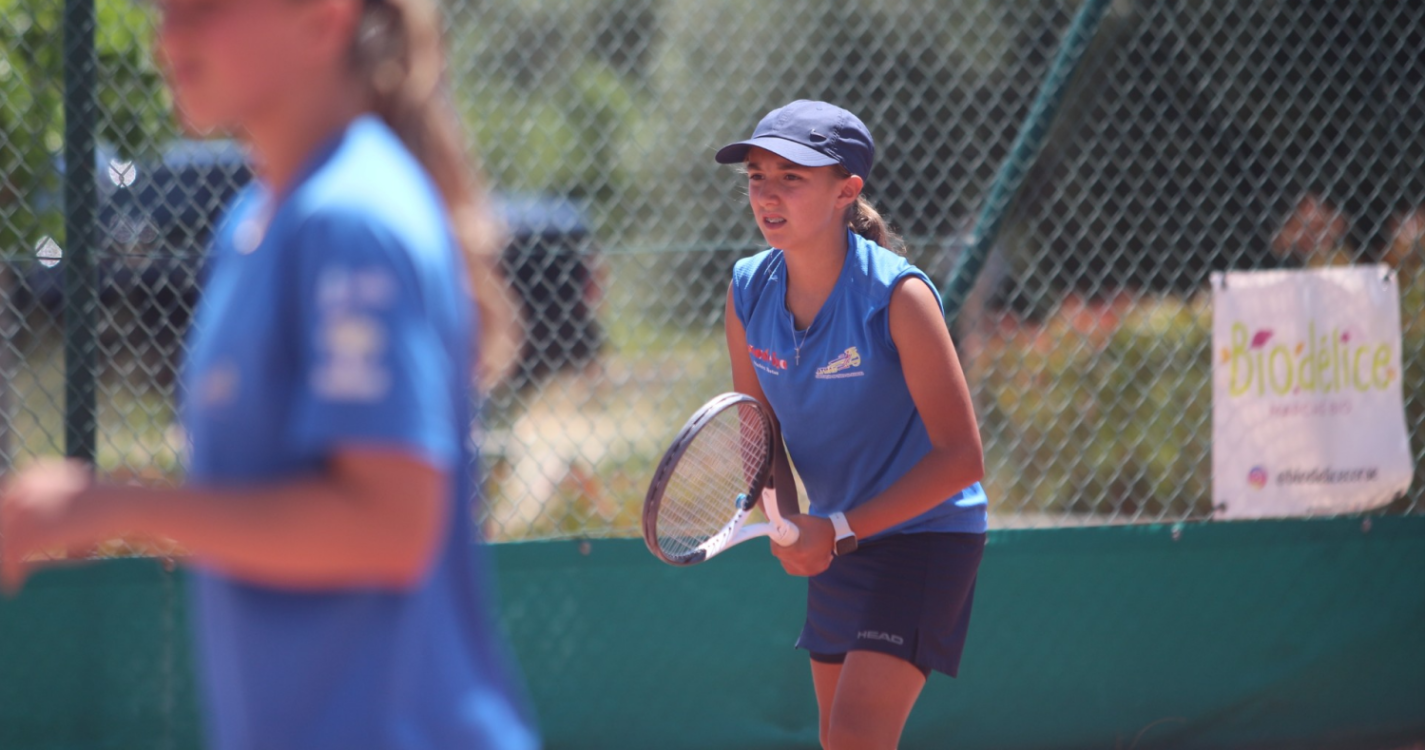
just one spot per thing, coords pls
(773, 237)
(200, 108)
(199, 122)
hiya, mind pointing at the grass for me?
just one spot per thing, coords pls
(575, 454)
(136, 436)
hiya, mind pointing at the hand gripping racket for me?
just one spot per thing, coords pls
(709, 481)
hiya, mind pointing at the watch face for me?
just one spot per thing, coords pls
(845, 545)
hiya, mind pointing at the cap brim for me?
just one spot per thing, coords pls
(792, 151)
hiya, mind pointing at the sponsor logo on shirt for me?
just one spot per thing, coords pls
(845, 365)
(766, 360)
(352, 341)
(341, 288)
(350, 369)
(876, 635)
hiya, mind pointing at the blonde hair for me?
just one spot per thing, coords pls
(399, 52)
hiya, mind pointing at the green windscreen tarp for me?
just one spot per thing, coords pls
(1285, 634)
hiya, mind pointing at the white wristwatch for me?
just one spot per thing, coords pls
(845, 537)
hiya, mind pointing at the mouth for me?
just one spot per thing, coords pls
(773, 222)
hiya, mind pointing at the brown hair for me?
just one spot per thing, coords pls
(864, 219)
(399, 52)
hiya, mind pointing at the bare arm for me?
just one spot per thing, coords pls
(955, 461)
(374, 517)
(937, 385)
(744, 380)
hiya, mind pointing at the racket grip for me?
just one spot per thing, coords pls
(785, 533)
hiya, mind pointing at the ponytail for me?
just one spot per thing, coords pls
(398, 51)
(865, 220)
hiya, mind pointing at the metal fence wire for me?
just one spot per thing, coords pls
(1196, 137)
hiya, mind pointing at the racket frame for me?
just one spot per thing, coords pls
(735, 531)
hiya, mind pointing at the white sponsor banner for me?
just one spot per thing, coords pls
(1307, 412)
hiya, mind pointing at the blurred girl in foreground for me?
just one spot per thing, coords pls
(327, 393)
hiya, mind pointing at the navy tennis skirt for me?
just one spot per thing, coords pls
(907, 595)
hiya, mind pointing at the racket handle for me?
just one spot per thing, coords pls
(785, 533)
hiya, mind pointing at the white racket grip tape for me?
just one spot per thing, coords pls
(784, 532)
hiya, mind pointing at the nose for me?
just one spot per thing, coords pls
(765, 194)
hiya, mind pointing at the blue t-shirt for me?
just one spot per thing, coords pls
(847, 416)
(345, 324)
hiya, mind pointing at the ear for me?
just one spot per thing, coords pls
(850, 191)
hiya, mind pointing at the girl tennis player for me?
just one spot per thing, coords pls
(845, 343)
(338, 598)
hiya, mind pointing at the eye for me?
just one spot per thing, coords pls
(754, 176)
(792, 177)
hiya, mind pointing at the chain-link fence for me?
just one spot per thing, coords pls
(1196, 137)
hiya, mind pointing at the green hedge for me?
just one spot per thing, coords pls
(1107, 408)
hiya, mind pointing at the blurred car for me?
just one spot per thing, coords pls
(156, 219)
(554, 266)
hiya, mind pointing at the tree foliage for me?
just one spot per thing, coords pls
(133, 109)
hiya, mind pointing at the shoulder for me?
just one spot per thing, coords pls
(750, 277)
(756, 268)
(913, 307)
(371, 184)
(370, 202)
(879, 275)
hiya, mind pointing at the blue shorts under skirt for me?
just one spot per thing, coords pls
(907, 595)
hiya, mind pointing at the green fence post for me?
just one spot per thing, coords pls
(1022, 155)
(80, 228)
(7, 370)
(81, 216)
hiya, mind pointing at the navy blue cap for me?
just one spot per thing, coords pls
(812, 134)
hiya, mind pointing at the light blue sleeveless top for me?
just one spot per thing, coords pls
(847, 416)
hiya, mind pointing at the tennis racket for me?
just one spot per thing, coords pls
(709, 481)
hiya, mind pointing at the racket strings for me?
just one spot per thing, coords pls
(720, 465)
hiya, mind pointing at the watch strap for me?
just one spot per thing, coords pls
(845, 537)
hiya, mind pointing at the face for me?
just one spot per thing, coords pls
(797, 206)
(229, 60)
